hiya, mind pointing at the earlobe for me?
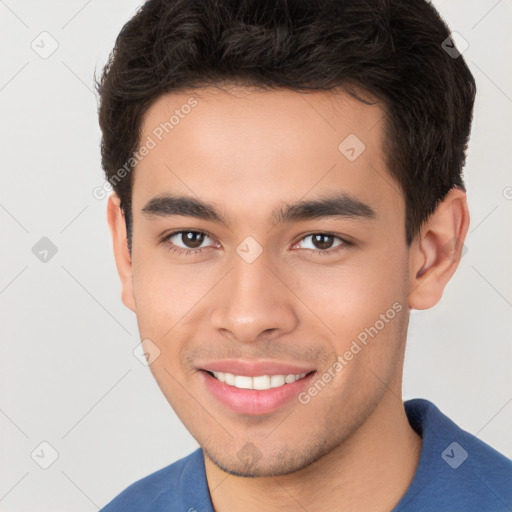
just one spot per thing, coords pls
(117, 226)
(436, 252)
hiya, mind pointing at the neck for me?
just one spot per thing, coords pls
(370, 471)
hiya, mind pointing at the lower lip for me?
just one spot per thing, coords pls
(254, 401)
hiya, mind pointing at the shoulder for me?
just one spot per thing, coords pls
(456, 470)
(163, 489)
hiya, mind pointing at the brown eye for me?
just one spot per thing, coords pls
(321, 241)
(186, 241)
(191, 239)
(324, 242)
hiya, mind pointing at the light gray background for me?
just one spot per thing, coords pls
(68, 373)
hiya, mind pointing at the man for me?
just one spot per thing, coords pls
(287, 187)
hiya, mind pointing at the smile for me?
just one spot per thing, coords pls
(259, 382)
(255, 395)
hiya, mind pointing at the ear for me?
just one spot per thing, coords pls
(436, 251)
(117, 225)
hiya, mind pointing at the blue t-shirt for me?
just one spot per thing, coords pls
(456, 473)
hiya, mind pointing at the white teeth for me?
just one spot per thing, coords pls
(277, 380)
(241, 381)
(229, 378)
(261, 382)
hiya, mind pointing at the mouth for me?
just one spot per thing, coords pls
(256, 394)
(259, 382)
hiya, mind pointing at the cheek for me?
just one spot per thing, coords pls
(351, 296)
(166, 293)
(340, 299)
(363, 304)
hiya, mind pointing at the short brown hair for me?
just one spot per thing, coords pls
(395, 50)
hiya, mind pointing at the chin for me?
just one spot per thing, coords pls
(249, 462)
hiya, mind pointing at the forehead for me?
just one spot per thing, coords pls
(249, 148)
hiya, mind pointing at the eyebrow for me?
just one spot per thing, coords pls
(340, 205)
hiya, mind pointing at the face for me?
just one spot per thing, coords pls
(268, 252)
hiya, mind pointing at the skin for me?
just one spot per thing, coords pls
(249, 152)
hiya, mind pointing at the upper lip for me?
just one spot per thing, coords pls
(255, 368)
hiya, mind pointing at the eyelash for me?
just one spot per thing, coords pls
(191, 252)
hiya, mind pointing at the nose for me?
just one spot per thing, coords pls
(254, 302)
